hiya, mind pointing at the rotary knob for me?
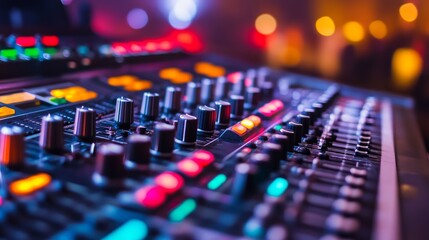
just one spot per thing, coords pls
(150, 106)
(207, 91)
(186, 134)
(172, 101)
(237, 106)
(253, 96)
(124, 112)
(206, 119)
(297, 129)
(12, 146)
(223, 113)
(193, 94)
(51, 134)
(109, 165)
(245, 180)
(222, 88)
(137, 152)
(162, 140)
(305, 121)
(84, 123)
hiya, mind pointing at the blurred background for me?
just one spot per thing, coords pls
(380, 45)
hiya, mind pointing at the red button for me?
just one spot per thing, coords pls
(189, 167)
(169, 181)
(203, 158)
(150, 196)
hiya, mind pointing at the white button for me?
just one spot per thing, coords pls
(344, 206)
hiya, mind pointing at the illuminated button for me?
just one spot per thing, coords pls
(169, 181)
(203, 158)
(10, 54)
(58, 93)
(138, 86)
(6, 111)
(50, 41)
(32, 52)
(216, 182)
(169, 73)
(255, 119)
(150, 196)
(247, 124)
(182, 77)
(277, 187)
(239, 129)
(17, 98)
(189, 167)
(58, 100)
(183, 210)
(30, 184)
(26, 41)
(121, 80)
(131, 230)
(209, 69)
(271, 108)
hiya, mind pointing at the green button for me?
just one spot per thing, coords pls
(183, 210)
(132, 230)
(277, 187)
(58, 101)
(278, 127)
(216, 182)
(10, 54)
(50, 51)
(32, 52)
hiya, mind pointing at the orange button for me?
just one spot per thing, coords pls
(169, 73)
(255, 119)
(6, 111)
(30, 184)
(239, 129)
(17, 98)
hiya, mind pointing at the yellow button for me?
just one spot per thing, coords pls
(6, 111)
(17, 98)
(239, 129)
(247, 123)
(255, 119)
(30, 184)
(58, 93)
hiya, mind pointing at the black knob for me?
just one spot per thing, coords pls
(124, 112)
(291, 136)
(137, 152)
(173, 100)
(237, 106)
(12, 146)
(193, 94)
(222, 88)
(51, 134)
(207, 91)
(84, 123)
(305, 121)
(186, 133)
(206, 119)
(109, 165)
(297, 129)
(283, 141)
(253, 96)
(264, 165)
(245, 180)
(311, 113)
(318, 108)
(150, 106)
(275, 153)
(223, 113)
(162, 140)
(239, 87)
(267, 89)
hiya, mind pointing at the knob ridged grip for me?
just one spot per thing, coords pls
(206, 119)
(162, 140)
(84, 123)
(150, 106)
(186, 133)
(12, 146)
(172, 100)
(124, 112)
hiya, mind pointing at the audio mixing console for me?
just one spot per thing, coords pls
(178, 146)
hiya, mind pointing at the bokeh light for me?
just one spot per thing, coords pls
(353, 31)
(325, 26)
(406, 67)
(137, 18)
(408, 12)
(265, 24)
(378, 29)
(182, 14)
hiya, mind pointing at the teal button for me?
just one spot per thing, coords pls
(132, 230)
(277, 187)
(183, 210)
(216, 182)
